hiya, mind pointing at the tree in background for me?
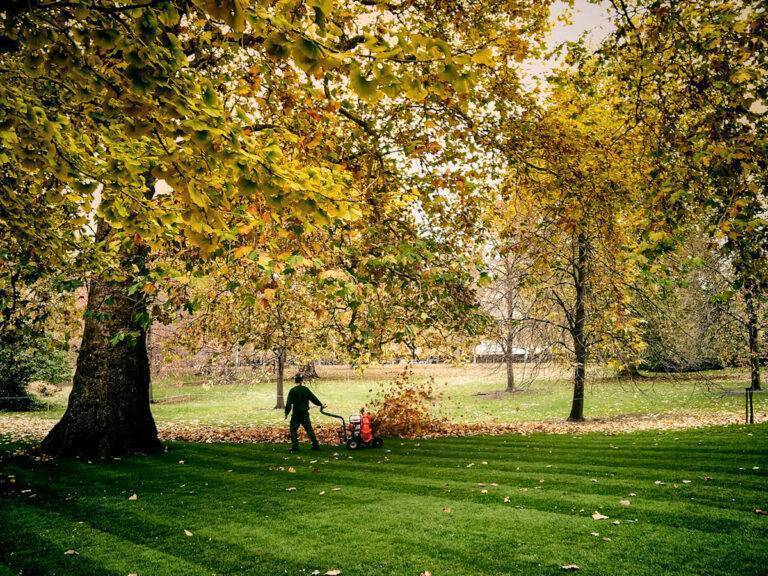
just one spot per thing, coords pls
(34, 330)
(749, 279)
(696, 78)
(260, 308)
(512, 307)
(571, 210)
(364, 299)
(687, 310)
(40, 251)
(402, 283)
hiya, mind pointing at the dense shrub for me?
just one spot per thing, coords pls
(25, 360)
(15, 374)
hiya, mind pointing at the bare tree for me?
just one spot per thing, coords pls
(504, 302)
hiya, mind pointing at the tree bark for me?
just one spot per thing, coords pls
(754, 342)
(280, 369)
(510, 300)
(108, 413)
(152, 362)
(577, 329)
(509, 360)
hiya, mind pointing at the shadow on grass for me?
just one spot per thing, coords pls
(388, 518)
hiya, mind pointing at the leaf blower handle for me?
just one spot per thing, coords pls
(322, 411)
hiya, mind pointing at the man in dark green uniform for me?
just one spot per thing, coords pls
(299, 398)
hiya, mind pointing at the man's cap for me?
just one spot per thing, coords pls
(298, 378)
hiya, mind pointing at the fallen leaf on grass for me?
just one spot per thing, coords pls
(632, 494)
(595, 533)
(133, 497)
(659, 483)
(71, 552)
(291, 469)
(569, 567)
(333, 573)
(761, 512)
(426, 573)
(624, 503)
(707, 478)
(447, 509)
(322, 492)
(187, 533)
(597, 516)
(335, 489)
(506, 499)
(616, 522)
(291, 489)
(483, 491)
(686, 481)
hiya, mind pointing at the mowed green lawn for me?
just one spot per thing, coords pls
(469, 393)
(414, 506)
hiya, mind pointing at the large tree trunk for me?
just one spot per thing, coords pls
(280, 369)
(578, 329)
(754, 342)
(108, 412)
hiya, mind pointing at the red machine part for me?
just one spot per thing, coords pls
(366, 429)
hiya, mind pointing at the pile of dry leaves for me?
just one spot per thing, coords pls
(202, 433)
(615, 425)
(31, 428)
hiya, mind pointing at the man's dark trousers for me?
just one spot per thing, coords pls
(301, 418)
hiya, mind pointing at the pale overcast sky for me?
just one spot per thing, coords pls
(586, 17)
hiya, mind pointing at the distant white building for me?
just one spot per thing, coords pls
(490, 351)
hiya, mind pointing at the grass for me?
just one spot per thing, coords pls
(467, 395)
(416, 507)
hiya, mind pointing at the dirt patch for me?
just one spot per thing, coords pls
(500, 394)
(182, 399)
